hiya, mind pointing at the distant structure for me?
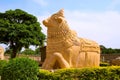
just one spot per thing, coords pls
(1, 53)
(65, 49)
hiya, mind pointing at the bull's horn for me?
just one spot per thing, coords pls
(61, 12)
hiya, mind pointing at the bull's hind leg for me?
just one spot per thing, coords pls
(56, 57)
(92, 59)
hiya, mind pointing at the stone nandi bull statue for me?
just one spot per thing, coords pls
(65, 49)
(1, 53)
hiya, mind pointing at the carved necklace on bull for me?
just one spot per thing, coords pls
(63, 38)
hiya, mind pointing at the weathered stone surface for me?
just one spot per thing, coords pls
(65, 49)
(1, 53)
(115, 61)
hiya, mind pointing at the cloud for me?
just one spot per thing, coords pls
(41, 2)
(102, 27)
(113, 4)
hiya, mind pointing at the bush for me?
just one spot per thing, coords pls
(28, 52)
(20, 69)
(37, 51)
(46, 75)
(101, 73)
(104, 64)
(2, 64)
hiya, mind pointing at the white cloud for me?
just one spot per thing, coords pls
(41, 2)
(102, 27)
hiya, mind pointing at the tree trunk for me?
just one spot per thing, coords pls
(43, 53)
(14, 49)
(14, 53)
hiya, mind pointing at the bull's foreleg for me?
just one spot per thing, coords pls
(61, 60)
(50, 61)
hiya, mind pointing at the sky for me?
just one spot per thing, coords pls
(98, 20)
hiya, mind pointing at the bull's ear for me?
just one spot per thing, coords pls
(59, 19)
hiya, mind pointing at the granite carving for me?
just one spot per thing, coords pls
(65, 49)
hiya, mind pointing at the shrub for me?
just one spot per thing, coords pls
(115, 73)
(28, 52)
(104, 64)
(37, 51)
(45, 75)
(100, 73)
(20, 69)
(2, 64)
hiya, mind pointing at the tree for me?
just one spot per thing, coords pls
(28, 51)
(103, 49)
(37, 51)
(19, 29)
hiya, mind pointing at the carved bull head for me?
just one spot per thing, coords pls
(55, 19)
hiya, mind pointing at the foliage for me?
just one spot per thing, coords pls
(20, 69)
(2, 64)
(19, 29)
(28, 51)
(37, 51)
(105, 50)
(46, 75)
(8, 51)
(104, 64)
(100, 73)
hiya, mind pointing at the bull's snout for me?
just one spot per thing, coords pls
(47, 22)
(44, 22)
